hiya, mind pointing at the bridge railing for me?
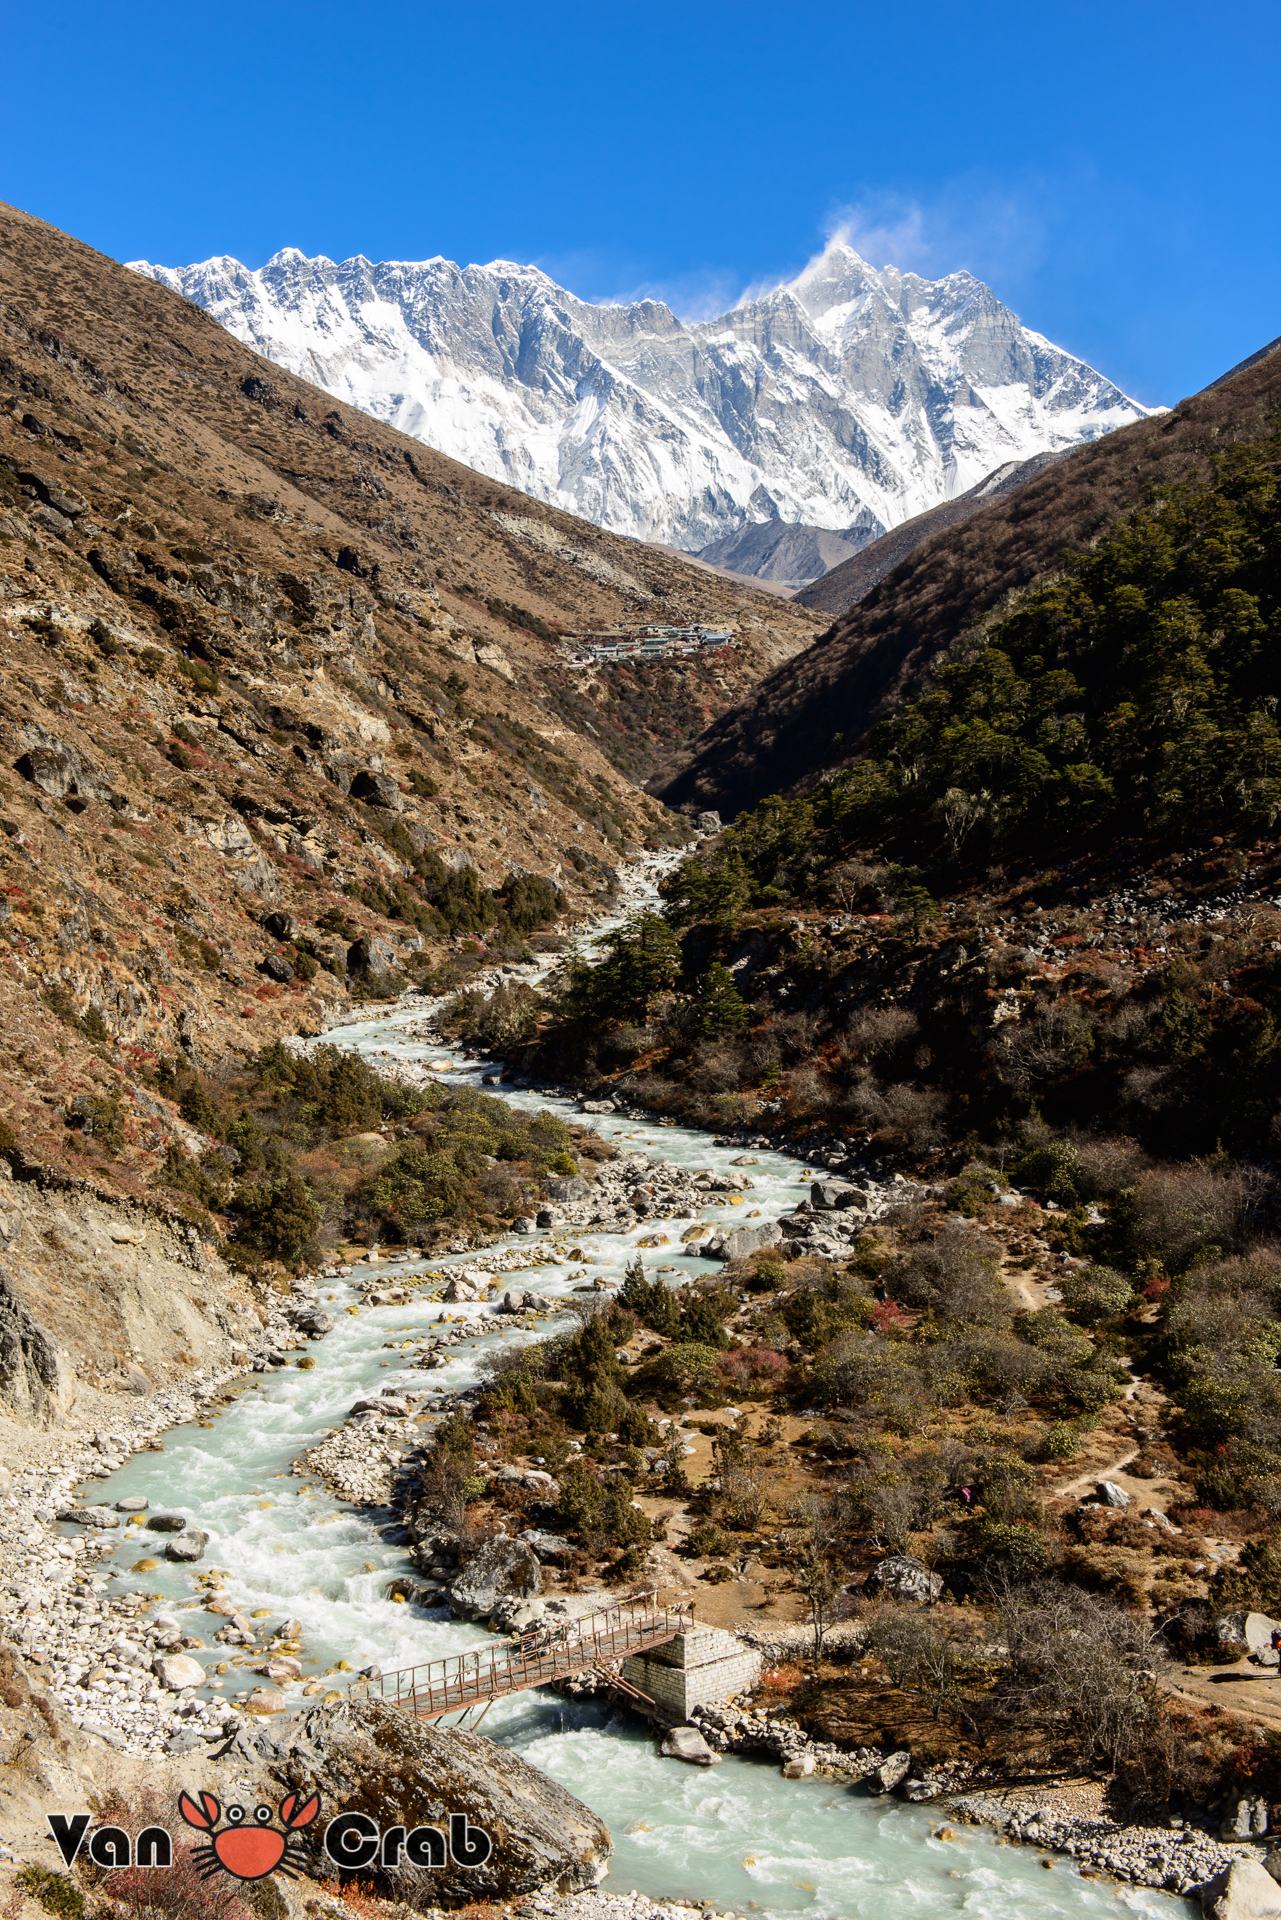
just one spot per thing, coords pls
(485, 1673)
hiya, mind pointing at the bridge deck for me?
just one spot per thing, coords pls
(487, 1673)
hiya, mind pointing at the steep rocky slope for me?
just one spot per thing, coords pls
(847, 400)
(815, 713)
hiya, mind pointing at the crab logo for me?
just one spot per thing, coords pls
(247, 1848)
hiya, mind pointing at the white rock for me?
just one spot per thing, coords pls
(178, 1670)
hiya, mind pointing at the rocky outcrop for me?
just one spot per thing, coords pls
(368, 1758)
(503, 1570)
(903, 1577)
(34, 1381)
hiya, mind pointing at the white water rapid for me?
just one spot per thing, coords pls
(739, 1835)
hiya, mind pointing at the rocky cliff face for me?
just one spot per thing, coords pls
(847, 400)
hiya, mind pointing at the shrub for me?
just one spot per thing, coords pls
(1059, 1442)
(280, 1219)
(708, 1540)
(1094, 1294)
(57, 1893)
(683, 1368)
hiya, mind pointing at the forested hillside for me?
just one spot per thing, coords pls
(817, 713)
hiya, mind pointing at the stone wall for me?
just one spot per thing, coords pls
(696, 1669)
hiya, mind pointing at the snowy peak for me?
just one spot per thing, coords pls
(847, 400)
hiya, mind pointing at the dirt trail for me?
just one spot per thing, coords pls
(1093, 1475)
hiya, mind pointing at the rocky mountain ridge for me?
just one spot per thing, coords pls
(845, 401)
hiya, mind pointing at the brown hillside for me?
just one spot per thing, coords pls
(782, 736)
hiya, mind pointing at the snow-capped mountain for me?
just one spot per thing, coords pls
(847, 400)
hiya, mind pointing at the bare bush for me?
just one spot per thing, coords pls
(1056, 1039)
(1186, 1207)
(794, 1035)
(953, 1278)
(1082, 1665)
(501, 1191)
(808, 1091)
(940, 1660)
(897, 1115)
(1106, 1165)
(858, 883)
(876, 1030)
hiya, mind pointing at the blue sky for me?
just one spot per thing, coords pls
(1112, 170)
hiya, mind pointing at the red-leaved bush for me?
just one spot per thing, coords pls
(752, 1367)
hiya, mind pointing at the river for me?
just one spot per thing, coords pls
(738, 1835)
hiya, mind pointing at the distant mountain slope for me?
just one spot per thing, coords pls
(818, 710)
(848, 399)
(788, 553)
(845, 585)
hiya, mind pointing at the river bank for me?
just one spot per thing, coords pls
(673, 1823)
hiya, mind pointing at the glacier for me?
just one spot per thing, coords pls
(847, 400)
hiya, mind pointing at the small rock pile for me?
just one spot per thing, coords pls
(1183, 1860)
(599, 1905)
(735, 1729)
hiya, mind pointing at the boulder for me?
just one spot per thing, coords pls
(57, 770)
(1112, 1496)
(188, 1545)
(524, 1223)
(371, 955)
(89, 1516)
(135, 1503)
(503, 1570)
(282, 1669)
(827, 1195)
(923, 1790)
(548, 1546)
(1245, 1818)
(260, 877)
(563, 1189)
(178, 1670)
(276, 968)
(1244, 1891)
(315, 1322)
(266, 1700)
(395, 1409)
(368, 1758)
(378, 790)
(799, 1767)
(687, 1743)
(1229, 1630)
(280, 925)
(166, 1523)
(1259, 1628)
(745, 1240)
(891, 1773)
(708, 821)
(903, 1577)
(34, 1376)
